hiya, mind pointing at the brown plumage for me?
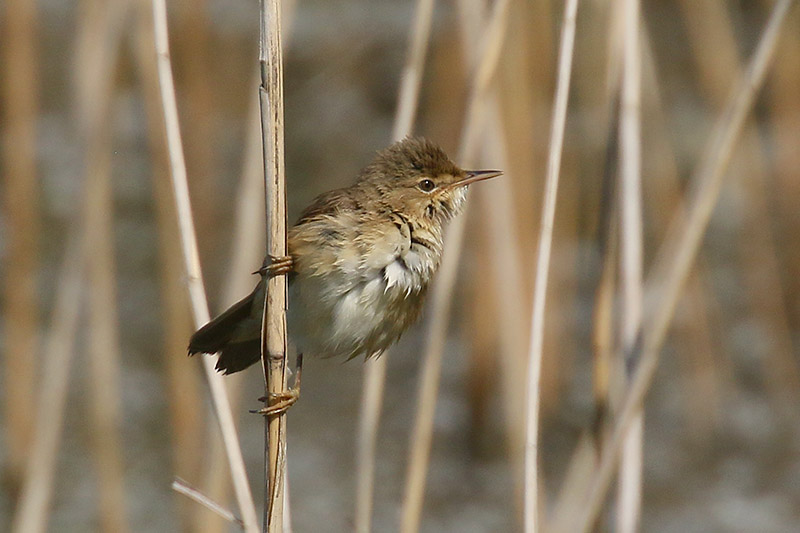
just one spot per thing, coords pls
(361, 260)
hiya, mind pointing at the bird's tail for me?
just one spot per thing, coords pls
(235, 334)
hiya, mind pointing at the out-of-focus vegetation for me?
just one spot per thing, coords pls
(83, 141)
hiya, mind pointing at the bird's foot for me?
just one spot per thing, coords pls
(280, 402)
(276, 266)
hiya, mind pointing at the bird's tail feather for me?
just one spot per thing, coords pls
(223, 334)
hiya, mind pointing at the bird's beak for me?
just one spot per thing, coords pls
(478, 175)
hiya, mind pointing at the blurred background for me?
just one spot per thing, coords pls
(83, 151)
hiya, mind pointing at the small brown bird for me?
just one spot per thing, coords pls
(360, 261)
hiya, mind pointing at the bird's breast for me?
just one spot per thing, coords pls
(346, 313)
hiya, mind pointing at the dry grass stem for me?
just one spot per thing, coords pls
(413, 69)
(422, 433)
(677, 254)
(33, 507)
(273, 332)
(367, 444)
(91, 233)
(502, 255)
(630, 219)
(186, 421)
(103, 341)
(182, 487)
(543, 265)
(20, 96)
(192, 264)
(710, 22)
(246, 255)
(499, 213)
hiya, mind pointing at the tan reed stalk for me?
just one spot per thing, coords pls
(497, 208)
(183, 389)
(676, 255)
(413, 70)
(33, 508)
(758, 255)
(246, 256)
(180, 486)
(192, 264)
(192, 59)
(101, 29)
(375, 368)
(20, 95)
(367, 443)
(500, 247)
(603, 319)
(273, 331)
(103, 340)
(784, 111)
(629, 496)
(543, 266)
(704, 366)
(422, 433)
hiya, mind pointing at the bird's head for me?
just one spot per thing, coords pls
(416, 178)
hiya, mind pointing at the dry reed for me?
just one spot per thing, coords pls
(631, 256)
(192, 265)
(677, 254)
(273, 331)
(185, 419)
(180, 486)
(543, 266)
(20, 95)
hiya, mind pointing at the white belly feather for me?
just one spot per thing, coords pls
(368, 313)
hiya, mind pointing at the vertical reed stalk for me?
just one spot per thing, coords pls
(543, 265)
(677, 254)
(20, 96)
(246, 255)
(709, 23)
(87, 232)
(101, 30)
(630, 476)
(192, 264)
(186, 421)
(33, 508)
(273, 331)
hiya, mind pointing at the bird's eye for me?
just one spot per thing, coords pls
(426, 185)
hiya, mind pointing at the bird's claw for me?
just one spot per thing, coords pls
(276, 266)
(280, 402)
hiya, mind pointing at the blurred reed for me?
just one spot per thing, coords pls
(495, 275)
(192, 266)
(629, 496)
(676, 255)
(20, 117)
(532, 386)
(100, 30)
(88, 264)
(760, 266)
(187, 421)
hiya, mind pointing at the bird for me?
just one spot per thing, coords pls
(359, 264)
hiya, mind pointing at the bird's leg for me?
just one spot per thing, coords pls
(280, 402)
(276, 266)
